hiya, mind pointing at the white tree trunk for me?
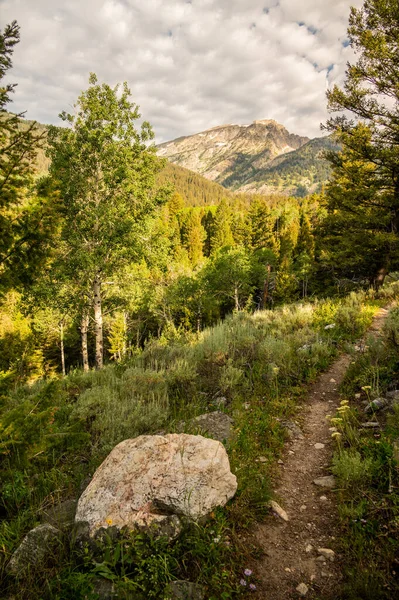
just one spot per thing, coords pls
(83, 330)
(98, 323)
(236, 300)
(62, 348)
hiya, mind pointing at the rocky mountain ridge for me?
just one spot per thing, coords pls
(262, 157)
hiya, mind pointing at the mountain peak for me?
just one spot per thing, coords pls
(229, 154)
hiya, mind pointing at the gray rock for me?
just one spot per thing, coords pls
(216, 425)
(327, 553)
(294, 432)
(280, 512)
(38, 545)
(185, 590)
(302, 589)
(393, 395)
(371, 425)
(220, 402)
(377, 404)
(328, 481)
(61, 515)
(105, 589)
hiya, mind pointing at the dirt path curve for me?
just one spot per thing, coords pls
(290, 548)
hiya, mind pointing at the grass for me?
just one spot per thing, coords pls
(55, 433)
(366, 464)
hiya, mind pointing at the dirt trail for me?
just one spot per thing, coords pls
(288, 559)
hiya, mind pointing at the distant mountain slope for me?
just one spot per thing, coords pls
(262, 157)
(195, 189)
(296, 173)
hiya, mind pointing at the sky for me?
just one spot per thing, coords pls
(190, 64)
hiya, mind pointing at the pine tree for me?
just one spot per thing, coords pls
(223, 236)
(195, 236)
(363, 197)
(22, 226)
(261, 225)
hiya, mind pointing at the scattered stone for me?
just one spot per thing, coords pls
(247, 405)
(61, 515)
(36, 547)
(327, 553)
(287, 570)
(324, 574)
(146, 481)
(294, 432)
(371, 425)
(184, 590)
(323, 498)
(376, 405)
(357, 396)
(216, 425)
(280, 462)
(328, 481)
(331, 326)
(303, 507)
(105, 589)
(319, 446)
(291, 452)
(302, 589)
(393, 395)
(312, 577)
(262, 459)
(278, 510)
(220, 402)
(309, 548)
(332, 380)
(321, 559)
(332, 429)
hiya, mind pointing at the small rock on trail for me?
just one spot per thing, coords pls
(328, 481)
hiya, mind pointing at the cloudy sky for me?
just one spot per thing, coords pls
(191, 64)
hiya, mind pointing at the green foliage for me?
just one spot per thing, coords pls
(363, 196)
(366, 464)
(24, 217)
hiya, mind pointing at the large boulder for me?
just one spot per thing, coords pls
(150, 481)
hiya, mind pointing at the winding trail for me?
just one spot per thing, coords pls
(290, 555)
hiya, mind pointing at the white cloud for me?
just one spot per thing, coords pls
(191, 65)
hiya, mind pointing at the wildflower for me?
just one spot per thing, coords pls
(243, 582)
(252, 586)
(108, 521)
(216, 539)
(366, 387)
(247, 572)
(337, 435)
